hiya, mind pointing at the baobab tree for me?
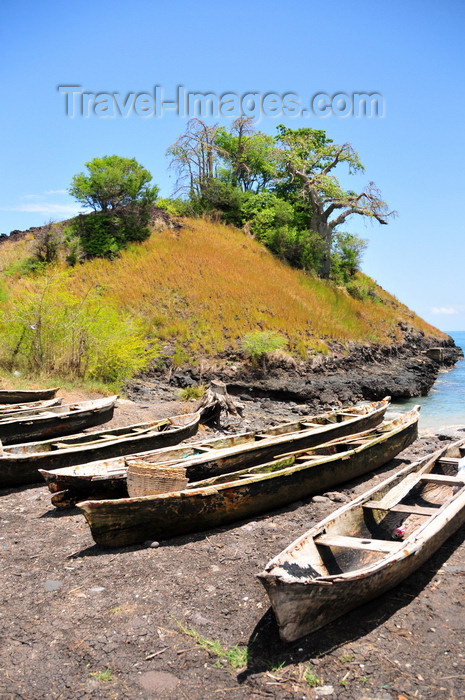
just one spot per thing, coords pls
(308, 160)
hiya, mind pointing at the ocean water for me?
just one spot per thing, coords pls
(445, 403)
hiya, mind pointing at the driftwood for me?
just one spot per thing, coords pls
(215, 400)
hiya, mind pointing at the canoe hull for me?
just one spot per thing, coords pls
(19, 469)
(13, 396)
(55, 423)
(133, 520)
(301, 609)
(351, 556)
(81, 484)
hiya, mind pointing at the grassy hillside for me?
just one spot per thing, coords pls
(199, 289)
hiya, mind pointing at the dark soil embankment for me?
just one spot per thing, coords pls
(401, 370)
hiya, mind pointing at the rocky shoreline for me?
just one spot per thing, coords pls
(347, 375)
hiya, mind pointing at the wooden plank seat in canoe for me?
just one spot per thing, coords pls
(405, 508)
(391, 502)
(357, 543)
(452, 461)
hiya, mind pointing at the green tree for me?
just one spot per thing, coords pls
(247, 156)
(111, 182)
(308, 160)
(118, 191)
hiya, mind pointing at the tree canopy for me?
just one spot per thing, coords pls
(308, 159)
(118, 191)
(111, 182)
(283, 189)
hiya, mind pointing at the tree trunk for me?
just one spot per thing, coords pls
(321, 226)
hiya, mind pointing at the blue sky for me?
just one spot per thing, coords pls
(411, 53)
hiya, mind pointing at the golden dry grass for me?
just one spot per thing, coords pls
(207, 285)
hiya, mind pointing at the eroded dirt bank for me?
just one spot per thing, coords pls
(80, 621)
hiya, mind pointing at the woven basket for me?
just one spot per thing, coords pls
(146, 479)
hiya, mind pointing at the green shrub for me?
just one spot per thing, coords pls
(361, 287)
(48, 329)
(258, 344)
(176, 207)
(346, 257)
(24, 267)
(192, 392)
(47, 244)
(104, 234)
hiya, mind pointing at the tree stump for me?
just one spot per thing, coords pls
(215, 400)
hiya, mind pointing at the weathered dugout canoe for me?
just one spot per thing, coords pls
(23, 396)
(10, 409)
(56, 420)
(351, 556)
(107, 479)
(230, 497)
(20, 464)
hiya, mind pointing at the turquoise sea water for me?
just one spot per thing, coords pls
(445, 403)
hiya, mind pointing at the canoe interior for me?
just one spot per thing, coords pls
(227, 470)
(57, 410)
(364, 535)
(304, 458)
(114, 467)
(87, 439)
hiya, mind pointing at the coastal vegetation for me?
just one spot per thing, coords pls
(284, 189)
(255, 268)
(179, 296)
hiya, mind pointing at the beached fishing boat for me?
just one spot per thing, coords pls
(108, 478)
(224, 499)
(20, 464)
(8, 409)
(55, 421)
(23, 396)
(369, 545)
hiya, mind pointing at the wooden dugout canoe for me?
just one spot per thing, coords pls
(107, 478)
(230, 497)
(352, 556)
(23, 396)
(9, 409)
(20, 464)
(55, 421)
